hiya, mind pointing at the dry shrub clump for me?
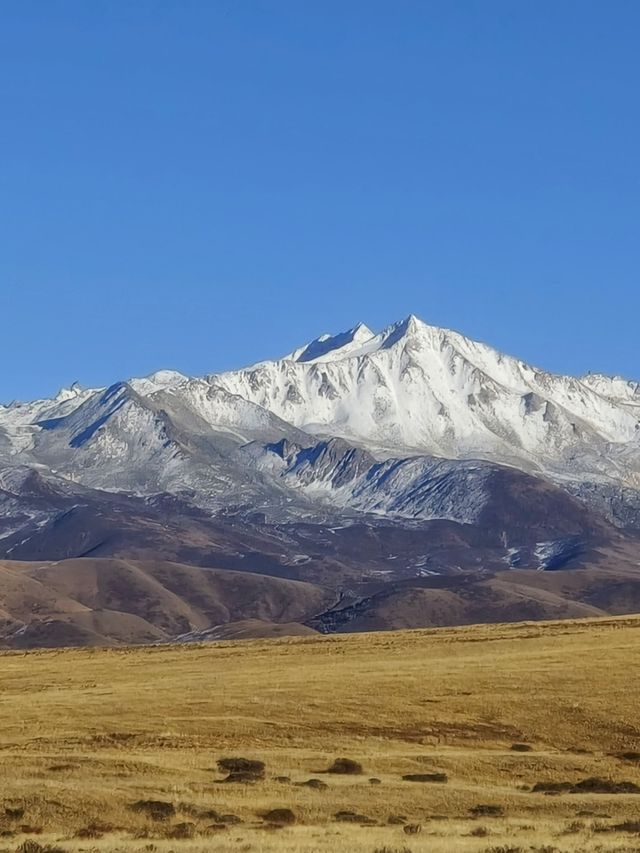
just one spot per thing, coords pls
(154, 809)
(354, 817)
(94, 830)
(31, 846)
(504, 848)
(314, 784)
(181, 831)
(629, 826)
(392, 850)
(14, 813)
(218, 818)
(279, 817)
(593, 785)
(630, 755)
(346, 767)
(425, 777)
(242, 769)
(486, 810)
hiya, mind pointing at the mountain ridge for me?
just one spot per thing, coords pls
(367, 465)
(412, 390)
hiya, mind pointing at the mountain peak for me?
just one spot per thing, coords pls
(64, 394)
(412, 323)
(406, 328)
(333, 346)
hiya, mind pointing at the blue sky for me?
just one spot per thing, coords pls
(199, 185)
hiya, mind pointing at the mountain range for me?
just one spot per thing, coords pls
(406, 478)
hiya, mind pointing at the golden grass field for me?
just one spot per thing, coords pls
(86, 733)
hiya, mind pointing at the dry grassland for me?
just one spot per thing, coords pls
(86, 734)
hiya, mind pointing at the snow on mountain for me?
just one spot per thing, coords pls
(158, 381)
(614, 388)
(398, 398)
(333, 347)
(419, 389)
(416, 488)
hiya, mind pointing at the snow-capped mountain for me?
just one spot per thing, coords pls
(407, 466)
(398, 398)
(417, 389)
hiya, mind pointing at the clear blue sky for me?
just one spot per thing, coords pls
(199, 185)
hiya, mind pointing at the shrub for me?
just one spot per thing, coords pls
(217, 827)
(14, 813)
(486, 810)
(479, 832)
(346, 766)
(242, 769)
(628, 756)
(243, 777)
(628, 826)
(392, 850)
(155, 809)
(592, 785)
(94, 830)
(412, 829)
(375, 781)
(425, 777)
(316, 784)
(504, 849)
(354, 817)
(181, 831)
(280, 817)
(521, 747)
(212, 814)
(30, 846)
(241, 765)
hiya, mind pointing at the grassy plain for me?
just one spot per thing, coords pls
(84, 734)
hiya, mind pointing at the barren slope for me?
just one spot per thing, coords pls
(103, 602)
